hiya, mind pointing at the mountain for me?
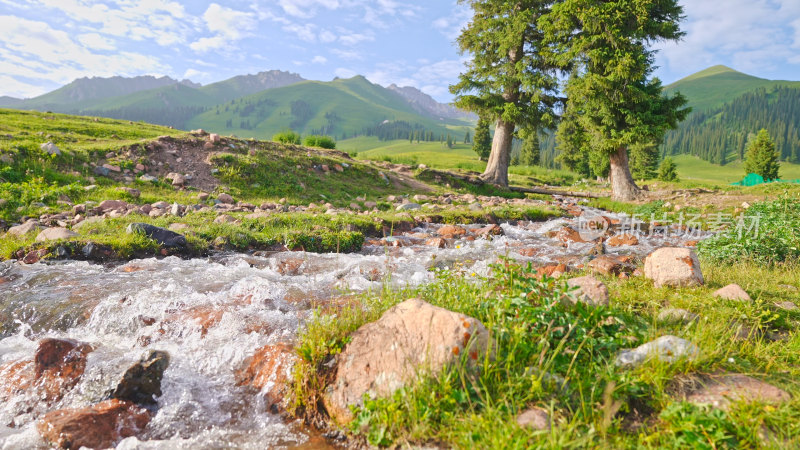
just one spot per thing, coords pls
(9, 101)
(341, 108)
(85, 92)
(425, 104)
(243, 85)
(727, 108)
(717, 85)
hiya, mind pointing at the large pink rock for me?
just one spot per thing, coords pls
(98, 426)
(672, 266)
(412, 338)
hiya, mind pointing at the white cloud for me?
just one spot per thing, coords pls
(195, 75)
(326, 36)
(319, 60)
(452, 24)
(306, 32)
(228, 26)
(95, 41)
(305, 9)
(342, 72)
(350, 38)
(348, 55)
(432, 78)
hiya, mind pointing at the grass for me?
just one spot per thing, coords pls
(597, 405)
(692, 168)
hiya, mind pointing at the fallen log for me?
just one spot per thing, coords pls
(545, 191)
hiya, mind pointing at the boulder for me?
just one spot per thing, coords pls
(108, 205)
(141, 383)
(732, 292)
(666, 348)
(164, 237)
(54, 234)
(451, 231)
(567, 235)
(675, 267)
(98, 426)
(225, 198)
(50, 148)
(535, 418)
(606, 265)
(620, 240)
(490, 230)
(27, 227)
(213, 138)
(269, 370)
(97, 252)
(436, 242)
(590, 291)
(720, 391)
(411, 338)
(57, 366)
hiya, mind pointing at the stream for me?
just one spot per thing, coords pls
(163, 304)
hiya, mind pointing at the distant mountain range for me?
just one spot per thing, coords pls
(257, 105)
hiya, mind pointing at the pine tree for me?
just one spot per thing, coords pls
(529, 154)
(482, 144)
(449, 141)
(466, 137)
(667, 171)
(507, 79)
(761, 157)
(610, 94)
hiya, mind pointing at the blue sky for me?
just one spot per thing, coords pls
(45, 44)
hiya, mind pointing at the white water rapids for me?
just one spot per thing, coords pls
(124, 310)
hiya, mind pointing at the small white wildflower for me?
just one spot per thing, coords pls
(731, 360)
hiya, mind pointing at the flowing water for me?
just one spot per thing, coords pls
(124, 310)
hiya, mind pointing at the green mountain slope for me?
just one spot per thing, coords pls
(718, 85)
(243, 85)
(9, 101)
(341, 108)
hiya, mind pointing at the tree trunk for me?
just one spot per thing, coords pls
(497, 168)
(623, 188)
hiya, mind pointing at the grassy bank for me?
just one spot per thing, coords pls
(560, 358)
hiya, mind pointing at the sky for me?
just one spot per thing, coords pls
(45, 44)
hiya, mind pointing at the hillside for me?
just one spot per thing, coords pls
(426, 105)
(243, 85)
(717, 85)
(341, 108)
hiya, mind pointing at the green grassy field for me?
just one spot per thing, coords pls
(696, 169)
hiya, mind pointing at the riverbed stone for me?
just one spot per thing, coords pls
(720, 391)
(534, 418)
(54, 234)
(620, 240)
(451, 231)
(674, 267)
(606, 265)
(27, 227)
(269, 370)
(163, 236)
(141, 383)
(411, 338)
(590, 291)
(666, 348)
(732, 292)
(98, 426)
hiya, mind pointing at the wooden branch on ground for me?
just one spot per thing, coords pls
(555, 192)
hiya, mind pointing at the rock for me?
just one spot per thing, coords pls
(108, 205)
(27, 227)
(606, 265)
(54, 234)
(214, 138)
(5, 158)
(112, 168)
(355, 206)
(97, 252)
(57, 366)
(148, 178)
(141, 383)
(720, 391)
(590, 291)
(176, 227)
(338, 168)
(385, 355)
(788, 306)
(269, 370)
(98, 426)
(370, 205)
(674, 315)
(732, 292)
(225, 198)
(436, 243)
(50, 148)
(176, 179)
(224, 218)
(408, 207)
(567, 235)
(622, 239)
(675, 267)
(535, 418)
(490, 230)
(201, 197)
(666, 348)
(451, 231)
(164, 237)
(34, 256)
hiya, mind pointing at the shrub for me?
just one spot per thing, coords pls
(769, 233)
(287, 137)
(667, 171)
(320, 141)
